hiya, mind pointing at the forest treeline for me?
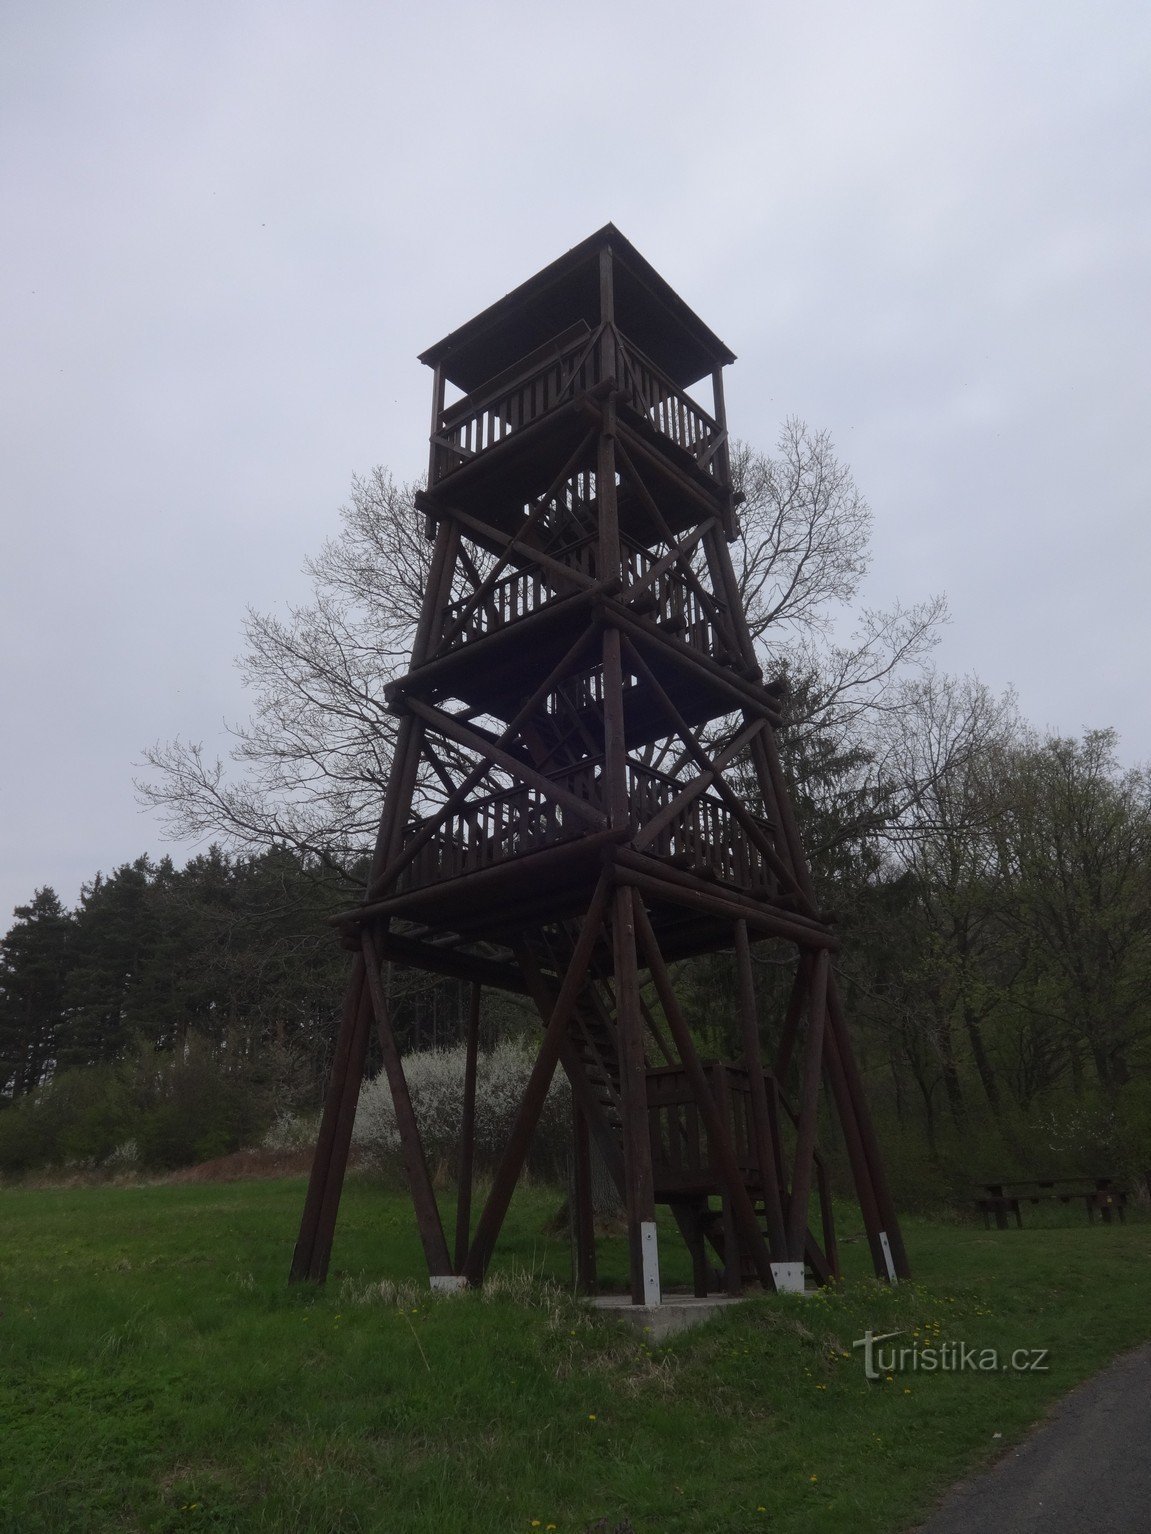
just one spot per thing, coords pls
(997, 958)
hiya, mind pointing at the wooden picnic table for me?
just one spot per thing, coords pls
(1103, 1195)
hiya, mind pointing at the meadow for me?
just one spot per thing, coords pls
(157, 1373)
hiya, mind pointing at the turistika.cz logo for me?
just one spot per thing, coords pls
(942, 1357)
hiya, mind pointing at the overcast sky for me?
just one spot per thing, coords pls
(228, 228)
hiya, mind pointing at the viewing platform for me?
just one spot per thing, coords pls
(560, 372)
(703, 837)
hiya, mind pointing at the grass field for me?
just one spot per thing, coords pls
(156, 1373)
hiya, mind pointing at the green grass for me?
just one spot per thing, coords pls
(156, 1373)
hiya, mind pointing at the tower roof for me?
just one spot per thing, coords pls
(648, 310)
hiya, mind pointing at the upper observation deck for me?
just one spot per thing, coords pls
(600, 320)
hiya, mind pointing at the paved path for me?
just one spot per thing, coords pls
(1085, 1470)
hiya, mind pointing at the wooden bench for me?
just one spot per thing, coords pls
(1102, 1195)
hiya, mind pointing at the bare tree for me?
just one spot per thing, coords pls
(308, 768)
(802, 548)
(313, 756)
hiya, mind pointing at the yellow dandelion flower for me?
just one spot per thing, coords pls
(591, 1416)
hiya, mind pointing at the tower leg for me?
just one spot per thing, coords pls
(317, 1227)
(718, 1132)
(583, 1208)
(415, 1162)
(467, 1133)
(643, 1252)
(870, 1146)
(515, 1152)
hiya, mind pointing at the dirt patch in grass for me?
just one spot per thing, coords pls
(244, 1164)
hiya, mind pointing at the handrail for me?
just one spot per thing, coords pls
(522, 819)
(574, 362)
(518, 373)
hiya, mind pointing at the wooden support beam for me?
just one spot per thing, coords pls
(398, 799)
(633, 1082)
(808, 1111)
(615, 745)
(400, 949)
(503, 560)
(680, 549)
(545, 997)
(661, 882)
(791, 1020)
(717, 1130)
(330, 1160)
(401, 858)
(885, 1202)
(710, 770)
(411, 1144)
(464, 735)
(827, 1219)
(712, 605)
(583, 1208)
(656, 1032)
(786, 815)
(760, 1113)
(438, 675)
(688, 1215)
(466, 1164)
(856, 1155)
(549, 859)
(565, 575)
(724, 580)
(536, 1090)
(732, 1247)
(744, 694)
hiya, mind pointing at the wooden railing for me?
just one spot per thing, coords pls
(680, 1146)
(672, 602)
(578, 361)
(480, 420)
(516, 594)
(707, 838)
(672, 412)
(703, 836)
(501, 827)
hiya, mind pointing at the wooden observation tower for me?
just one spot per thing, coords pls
(586, 788)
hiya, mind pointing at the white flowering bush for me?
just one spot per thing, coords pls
(291, 1131)
(125, 1158)
(436, 1083)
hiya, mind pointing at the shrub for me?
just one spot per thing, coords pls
(436, 1083)
(291, 1131)
(199, 1109)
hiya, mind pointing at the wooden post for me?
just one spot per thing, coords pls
(467, 1131)
(479, 1254)
(583, 1208)
(411, 1144)
(874, 1161)
(637, 1133)
(732, 1252)
(808, 1111)
(318, 1223)
(717, 1131)
(760, 1114)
